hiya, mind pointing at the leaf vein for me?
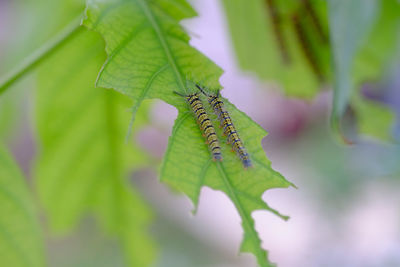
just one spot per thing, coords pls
(245, 218)
(164, 43)
(122, 45)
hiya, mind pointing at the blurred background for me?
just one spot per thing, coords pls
(345, 212)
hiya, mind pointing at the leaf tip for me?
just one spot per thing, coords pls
(293, 185)
(277, 213)
(338, 132)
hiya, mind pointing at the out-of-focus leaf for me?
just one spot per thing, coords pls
(20, 234)
(375, 60)
(378, 53)
(35, 22)
(83, 160)
(350, 22)
(29, 29)
(374, 119)
(149, 57)
(8, 113)
(258, 49)
(364, 37)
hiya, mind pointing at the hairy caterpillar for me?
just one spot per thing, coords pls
(229, 128)
(205, 124)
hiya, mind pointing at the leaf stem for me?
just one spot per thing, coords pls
(247, 221)
(40, 55)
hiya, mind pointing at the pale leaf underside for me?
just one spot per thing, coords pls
(149, 57)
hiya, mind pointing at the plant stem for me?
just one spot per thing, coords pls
(40, 55)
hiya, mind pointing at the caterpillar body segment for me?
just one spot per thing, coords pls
(234, 139)
(229, 128)
(205, 125)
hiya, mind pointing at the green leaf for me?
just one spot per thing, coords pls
(84, 160)
(188, 166)
(364, 38)
(149, 57)
(375, 60)
(373, 118)
(257, 49)
(378, 53)
(20, 235)
(8, 113)
(350, 22)
(148, 51)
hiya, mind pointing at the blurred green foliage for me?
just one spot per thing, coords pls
(252, 27)
(83, 161)
(8, 113)
(21, 243)
(364, 38)
(373, 118)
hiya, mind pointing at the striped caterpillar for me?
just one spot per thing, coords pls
(229, 128)
(205, 124)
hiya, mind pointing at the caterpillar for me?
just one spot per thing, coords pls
(205, 124)
(278, 31)
(305, 44)
(228, 127)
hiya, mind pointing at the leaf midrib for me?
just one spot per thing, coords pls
(161, 36)
(243, 214)
(173, 64)
(231, 192)
(145, 91)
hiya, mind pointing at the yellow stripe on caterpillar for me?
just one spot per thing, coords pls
(229, 128)
(205, 125)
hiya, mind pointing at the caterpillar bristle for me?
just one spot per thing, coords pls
(205, 125)
(229, 129)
